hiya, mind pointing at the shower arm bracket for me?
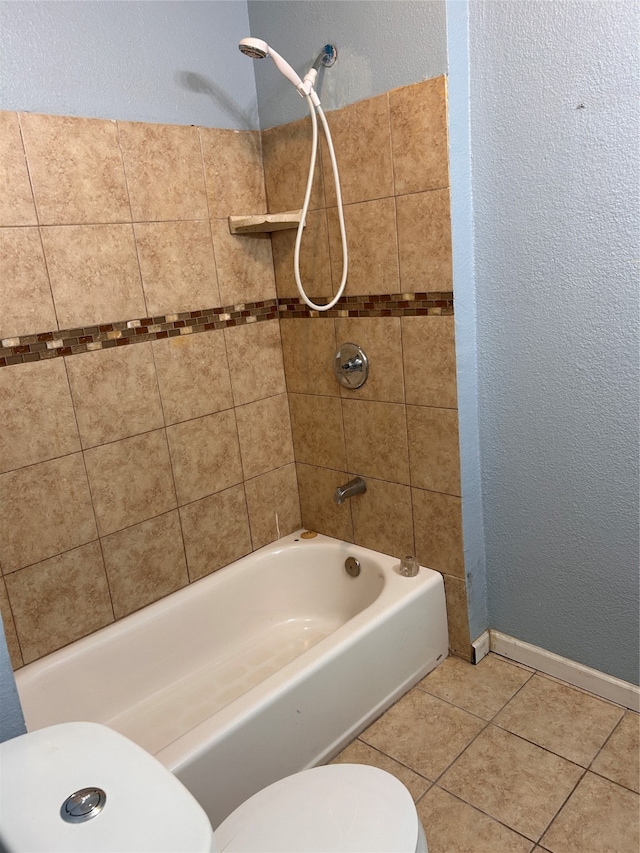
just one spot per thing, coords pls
(264, 222)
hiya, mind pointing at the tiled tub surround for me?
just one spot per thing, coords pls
(399, 431)
(128, 471)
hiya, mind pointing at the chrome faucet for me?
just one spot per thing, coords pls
(357, 486)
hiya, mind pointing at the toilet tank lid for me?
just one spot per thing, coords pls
(350, 808)
(147, 810)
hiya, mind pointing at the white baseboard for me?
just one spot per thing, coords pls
(480, 647)
(606, 686)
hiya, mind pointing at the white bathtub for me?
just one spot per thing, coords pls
(266, 667)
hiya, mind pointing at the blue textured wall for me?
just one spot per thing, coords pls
(381, 45)
(169, 62)
(554, 103)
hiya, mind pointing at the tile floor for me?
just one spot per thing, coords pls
(503, 759)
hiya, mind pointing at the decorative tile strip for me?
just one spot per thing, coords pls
(66, 342)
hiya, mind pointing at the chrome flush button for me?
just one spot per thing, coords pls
(83, 805)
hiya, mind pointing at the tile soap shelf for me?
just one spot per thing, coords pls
(264, 222)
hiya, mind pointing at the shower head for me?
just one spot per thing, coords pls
(258, 49)
(254, 48)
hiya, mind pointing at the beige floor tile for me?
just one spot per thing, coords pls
(599, 817)
(360, 753)
(423, 732)
(619, 759)
(452, 826)
(565, 721)
(483, 689)
(512, 780)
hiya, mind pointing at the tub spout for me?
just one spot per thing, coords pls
(357, 486)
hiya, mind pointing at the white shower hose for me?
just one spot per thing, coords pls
(305, 208)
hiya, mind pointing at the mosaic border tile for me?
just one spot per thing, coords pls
(66, 342)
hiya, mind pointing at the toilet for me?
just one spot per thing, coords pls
(84, 788)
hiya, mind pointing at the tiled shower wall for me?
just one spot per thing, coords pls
(128, 471)
(399, 430)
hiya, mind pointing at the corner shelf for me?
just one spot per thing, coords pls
(264, 222)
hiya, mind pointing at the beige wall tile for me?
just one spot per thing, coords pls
(255, 361)
(455, 825)
(193, 375)
(619, 758)
(177, 265)
(16, 200)
(362, 140)
(428, 347)
(94, 273)
(382, 518)
(372, 245)
(274, 505)
(457, 616)
(419, 136)
(560, 719)
(45, 509)
(39, 423)
(130, 480)
(376, 438)
(308, 347)
(226, 514)
(286, 151)
(422, 732)
(319, 511)
(233, 172)
(9, 628)
(76, 169)
(264, 431)
(511, 780)
(145, 562)
(115, 393)
(424, 241)
(315, 259)
(381, 341)
(244, 263)
(165, 175)
(59, 600)
(437, 521)
(318, 435)
(434, 452)
(205, 455)
(599, 817)
(25, 295)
